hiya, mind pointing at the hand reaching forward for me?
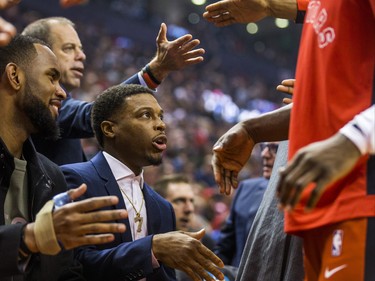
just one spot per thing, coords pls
(174, 55)
(321, 163)
(227, 12)
(77, 223)
(183, 251)
(230, 154)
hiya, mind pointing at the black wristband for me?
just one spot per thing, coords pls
(24, 250)
(152, 77)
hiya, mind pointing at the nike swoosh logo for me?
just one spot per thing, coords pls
(328, 273)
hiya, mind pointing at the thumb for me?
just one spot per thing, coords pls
(77, 192)
(197, 235)
(218, 147)
(162, 35)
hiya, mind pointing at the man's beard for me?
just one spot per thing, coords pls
(40, 116)
(155, 161)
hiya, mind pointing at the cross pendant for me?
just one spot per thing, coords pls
(138, 219)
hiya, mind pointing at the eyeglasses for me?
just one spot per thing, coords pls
(272, 147)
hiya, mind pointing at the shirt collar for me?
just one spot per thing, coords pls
(121, 171)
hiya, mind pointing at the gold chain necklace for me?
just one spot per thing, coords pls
(138, 218)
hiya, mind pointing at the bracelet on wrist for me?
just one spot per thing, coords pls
(147, 70)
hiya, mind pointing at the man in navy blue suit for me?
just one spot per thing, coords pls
(243, 210)
(128, 124)
(74, 115)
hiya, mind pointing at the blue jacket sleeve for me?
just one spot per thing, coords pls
(74, 119)
(75, 115)
(132, 80)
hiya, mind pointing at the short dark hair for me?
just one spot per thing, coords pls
(20, 50)
(41, 28)
(110, 102)
(161, 185)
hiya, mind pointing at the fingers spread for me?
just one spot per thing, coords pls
(93, 203)
(181, 41)
(101, 216)
(188, 46)
(99, 228)
(288, 82)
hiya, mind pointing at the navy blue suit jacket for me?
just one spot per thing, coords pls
(75, 123)
(233, 235)
(122, 259)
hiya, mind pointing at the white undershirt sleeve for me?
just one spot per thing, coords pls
(361, 131)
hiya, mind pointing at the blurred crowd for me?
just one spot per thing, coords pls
(200, 103)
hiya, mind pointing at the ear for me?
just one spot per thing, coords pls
(108, 129)
(14, 74)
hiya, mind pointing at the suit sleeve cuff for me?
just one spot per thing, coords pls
(155, 263)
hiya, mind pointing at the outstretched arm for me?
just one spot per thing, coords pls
(227, 12)
(233, 149)
(193, 257)
(170, 56)
(327, 161)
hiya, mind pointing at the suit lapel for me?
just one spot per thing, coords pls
(112, 188)
(153, 211)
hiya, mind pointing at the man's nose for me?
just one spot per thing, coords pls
(80, 55)
(266, 153)
(189, 207)
(60, 92)
(160, 126)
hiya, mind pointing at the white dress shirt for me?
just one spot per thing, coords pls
(131, 185)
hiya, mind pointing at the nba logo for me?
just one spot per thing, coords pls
(337, 241)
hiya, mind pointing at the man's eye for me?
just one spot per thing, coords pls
(68, 49)
(146, 114)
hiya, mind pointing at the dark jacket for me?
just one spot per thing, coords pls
(123, 259)
(44, 181)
